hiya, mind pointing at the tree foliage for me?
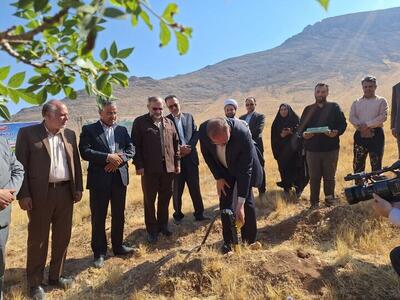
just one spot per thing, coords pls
(57, 40)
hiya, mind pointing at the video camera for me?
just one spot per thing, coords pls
(374, 182)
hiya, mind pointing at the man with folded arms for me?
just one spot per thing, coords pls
(52, 184)
(367, 115)
(108, 148)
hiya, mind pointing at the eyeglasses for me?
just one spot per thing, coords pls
(157, 108)
(175, 105)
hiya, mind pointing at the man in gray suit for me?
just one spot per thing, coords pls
(188, 138)
(395, 116)
(11, 177)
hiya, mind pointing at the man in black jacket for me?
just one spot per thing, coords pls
(108, 148)
(322, 149)
(256, 123)
(229, 152)
(188, 138)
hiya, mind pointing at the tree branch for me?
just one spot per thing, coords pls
(28, 36)
(7, 47)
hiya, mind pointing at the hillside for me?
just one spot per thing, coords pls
(338, 50)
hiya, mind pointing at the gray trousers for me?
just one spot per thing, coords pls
(322, 165)
(3, 241)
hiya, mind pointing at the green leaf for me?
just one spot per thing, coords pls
(107, 90)
(3, 90)
(70, 92)
(145, 17)
(121, 66)
(88, 9)
(122, 79)
(34, 87)
(23, 4)
(103, 54)
(4, 71)
(37, 79)
(324, 3)
(39, 5)
(4, 112)
(42, 70)
(112, 12)
(29, 97)
(16, 80)
(125, 53)
(53, 89)
(165, 34)
(101, 81)
(13, 94)
(42, 96)
(170, 11)
(114, 50)
(182, 42)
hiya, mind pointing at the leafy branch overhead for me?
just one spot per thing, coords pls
(57, 41)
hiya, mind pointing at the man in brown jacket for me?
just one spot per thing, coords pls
(157, 160)
(52, 184)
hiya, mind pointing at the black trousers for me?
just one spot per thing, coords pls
(154, 184)
(374, 147)
(99, 199)
(249, 229)
(288, 171)
(395, 259)
(189, 175)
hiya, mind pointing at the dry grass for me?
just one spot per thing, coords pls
(331, 254)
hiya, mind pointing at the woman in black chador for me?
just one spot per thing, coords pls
(287, 150)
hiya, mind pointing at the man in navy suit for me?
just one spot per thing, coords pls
(229, 152)
(108, 148)
(256, 123)
(188, 138)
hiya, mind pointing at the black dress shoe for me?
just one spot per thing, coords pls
(165, 231)
(37, 293)
(99, 262)
(63, 282)
(226, 248)
(202, 218)
(124, 250)
(152, 238)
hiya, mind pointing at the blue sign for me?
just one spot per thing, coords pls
(10, 130)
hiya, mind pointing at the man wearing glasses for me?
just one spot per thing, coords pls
(157, 160)
(256, 123)
(188, 138)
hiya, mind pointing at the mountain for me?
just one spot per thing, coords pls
(338, 50)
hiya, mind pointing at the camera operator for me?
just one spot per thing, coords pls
(391, 211)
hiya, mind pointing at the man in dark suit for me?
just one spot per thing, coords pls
(11, 177)
(188, 138)
(395, 115)
(229, 152)
(108, 148)
(52, 184)
(256, 123)
(157, 160)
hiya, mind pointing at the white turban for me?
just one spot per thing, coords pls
(232, 102)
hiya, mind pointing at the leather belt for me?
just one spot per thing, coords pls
(58, 184)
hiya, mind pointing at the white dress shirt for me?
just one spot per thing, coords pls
(178, 122)
(59, 170)
(109, 133)
(221, 154)
(248, 117)
(369, 111)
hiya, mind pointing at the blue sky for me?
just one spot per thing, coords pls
(221, 29)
